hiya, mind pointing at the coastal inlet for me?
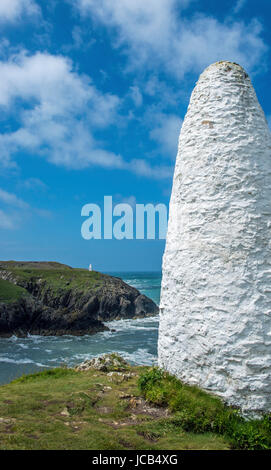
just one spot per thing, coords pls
(134, 339)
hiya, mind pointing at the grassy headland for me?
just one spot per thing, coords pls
(56, 276)
(140, 408)
(49, 298)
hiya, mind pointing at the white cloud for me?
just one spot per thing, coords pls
(62, 110)
(12, 10)
(209, 41)
(136, 96)
(142, 168)
(58, 112)
(16, 211)
(143, 24)
(34, 183)
(239, 5)
(158, 34)
(6, 220)
(12, 199)
(166, 133)
(81, 40)
(14, 208)
(120, 199)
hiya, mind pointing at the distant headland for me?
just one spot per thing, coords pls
(49, 298)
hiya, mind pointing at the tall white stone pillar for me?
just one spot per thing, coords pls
(215, 311)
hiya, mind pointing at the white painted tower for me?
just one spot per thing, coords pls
(215, 311)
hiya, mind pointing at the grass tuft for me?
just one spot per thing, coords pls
(199, 412)
(56, 373)
(9, 292)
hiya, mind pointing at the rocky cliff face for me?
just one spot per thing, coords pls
(54, 299)
(215, 321)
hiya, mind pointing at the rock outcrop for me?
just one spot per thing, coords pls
(54, 299)
(111, 362)
(215, 311)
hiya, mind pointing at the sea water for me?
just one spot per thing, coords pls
(135, 340)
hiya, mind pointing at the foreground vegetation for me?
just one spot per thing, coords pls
(138, 408)
(198, 412)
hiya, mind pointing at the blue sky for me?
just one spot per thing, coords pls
(92, 97)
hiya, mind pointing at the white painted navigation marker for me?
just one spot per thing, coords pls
(215, 311)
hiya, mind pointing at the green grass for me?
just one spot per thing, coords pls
(65, 409)
(199, 412)
(55, 276)
(9, 292)
(56, 373)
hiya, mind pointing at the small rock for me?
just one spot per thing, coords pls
(104, 363)
(134, 402)
(125, 395)
(7, 420)
(65, 412)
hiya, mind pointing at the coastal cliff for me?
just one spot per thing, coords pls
(48, 298)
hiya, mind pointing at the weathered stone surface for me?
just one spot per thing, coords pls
(215, 311)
